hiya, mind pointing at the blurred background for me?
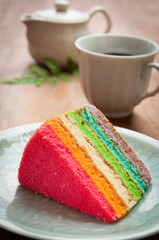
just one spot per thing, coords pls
(23, 104)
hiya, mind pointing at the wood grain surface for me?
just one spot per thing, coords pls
(24, 104)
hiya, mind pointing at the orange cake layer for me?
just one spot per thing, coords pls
(81, 156)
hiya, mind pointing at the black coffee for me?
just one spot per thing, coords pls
(119, 54)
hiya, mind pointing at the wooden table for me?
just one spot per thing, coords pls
(24, 104)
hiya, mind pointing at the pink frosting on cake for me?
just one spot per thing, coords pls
(53, 172)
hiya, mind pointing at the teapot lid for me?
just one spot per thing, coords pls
(61, 14)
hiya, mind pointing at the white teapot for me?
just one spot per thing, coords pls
(51, 33)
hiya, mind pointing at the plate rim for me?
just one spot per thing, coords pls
(121, 130)
(125, 132)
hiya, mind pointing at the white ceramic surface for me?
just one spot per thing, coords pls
(33, 215)
(51, 33)
(113, 83)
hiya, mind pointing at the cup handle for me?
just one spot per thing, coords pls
(156, 90)
(101, 9)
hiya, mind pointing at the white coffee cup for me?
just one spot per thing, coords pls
(115, 71)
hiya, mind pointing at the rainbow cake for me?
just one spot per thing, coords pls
(80, 160)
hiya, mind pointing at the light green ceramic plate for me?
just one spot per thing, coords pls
(32, 215)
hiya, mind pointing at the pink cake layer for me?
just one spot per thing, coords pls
(53, 172)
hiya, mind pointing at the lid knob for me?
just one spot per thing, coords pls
(61, 5)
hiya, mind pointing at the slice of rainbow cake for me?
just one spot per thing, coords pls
(80, 160)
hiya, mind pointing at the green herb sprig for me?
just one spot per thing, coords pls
(50, 72)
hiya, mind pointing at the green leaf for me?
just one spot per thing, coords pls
(52, 66)
(15, 81)
(72, 65)
(75, 72)
(29, 75)
(65, 77)
(40, 74)
(39, 81)
(7, 82)
(33, 79)
(40, 71)
(52, 80)
(20, 80)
